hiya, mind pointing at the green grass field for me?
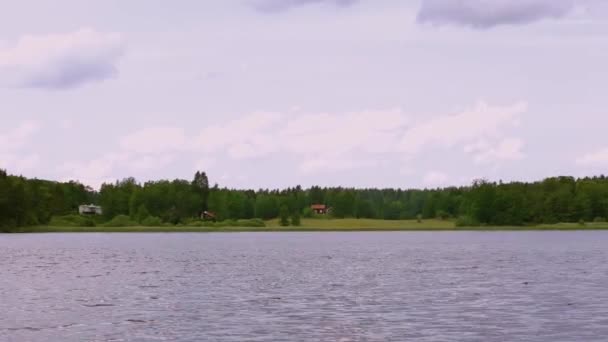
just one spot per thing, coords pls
(321, 225)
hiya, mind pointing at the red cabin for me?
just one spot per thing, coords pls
(320, 209)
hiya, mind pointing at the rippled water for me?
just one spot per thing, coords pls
(467, 286)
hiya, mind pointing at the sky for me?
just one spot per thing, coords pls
(278, 93)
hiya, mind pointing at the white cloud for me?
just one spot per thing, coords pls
(508, 149)
(406, 170)
(150, 162)
(281, 5)
(103, 169)
(435, 178)
(94, 172)
(12, 145)
(19, 163)
(154, 140)
(18, 137)
(319, 142)
(333, 165)
(331, 134)
(260, 134)
(597, 158)
(204, 164)
(483, 121)
(247, 137)
(59, 61)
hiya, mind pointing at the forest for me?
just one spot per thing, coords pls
(32, 202)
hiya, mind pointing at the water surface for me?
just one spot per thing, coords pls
(381, 286)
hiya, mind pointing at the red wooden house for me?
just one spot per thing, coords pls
(319, 209)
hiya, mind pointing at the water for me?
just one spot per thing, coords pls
(467, 286)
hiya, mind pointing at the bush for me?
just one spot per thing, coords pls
(599, 219)
(442, 215)
(251, 223)
(142, 213)
(225, 223)
(284, 216)
(308, 213)
(195, 224)
(295, 219)
(8, 227)
(88, 223)
(419, 218)
(466, 221)
(581, 222)
(120, 221)
(152, 221)
(232, 223)
(72, 221)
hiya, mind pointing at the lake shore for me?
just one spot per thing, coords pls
(320, 225)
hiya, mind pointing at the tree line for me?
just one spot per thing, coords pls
(30, 202)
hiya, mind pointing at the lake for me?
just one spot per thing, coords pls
(379, 286)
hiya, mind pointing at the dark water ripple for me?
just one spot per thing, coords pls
(469, 286)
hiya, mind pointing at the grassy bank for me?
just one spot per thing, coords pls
(313, 225)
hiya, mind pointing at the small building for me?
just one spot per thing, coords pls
(90, 209)
(319, 209)
(208, 216)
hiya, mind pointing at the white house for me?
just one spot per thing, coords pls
(90, 209)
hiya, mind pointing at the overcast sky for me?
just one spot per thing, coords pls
(275, 93)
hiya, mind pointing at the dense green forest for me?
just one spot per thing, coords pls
(30, 202)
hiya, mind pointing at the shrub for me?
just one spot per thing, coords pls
(419, 218)
(72, 221)
(308, 213)
(466, 221)
(8, 227)
(581, 222)
(295, 219)
(599, 219)
(442, 215)
(251, 223)
(195, 224)
(152, 221)
(284, 213)
(88, 223)
(256, 222)
(120, 221)
(142, 213)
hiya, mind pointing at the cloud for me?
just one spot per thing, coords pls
(61, 61)
(204, 163)
(150, 162)
(19, 163)
(94, 172)
(248, 137)
(101, 170)
(508, 149)
(282, 5)
(484, 14)
(12, 143)
(435, 178)
(331, 134)
(154, 140)
(597, 158)
(327, 165)
(20, 136)
(316, 143)
(482, 121)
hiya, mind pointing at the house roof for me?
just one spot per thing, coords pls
(318, 207)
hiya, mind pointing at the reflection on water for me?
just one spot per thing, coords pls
(469, 286)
